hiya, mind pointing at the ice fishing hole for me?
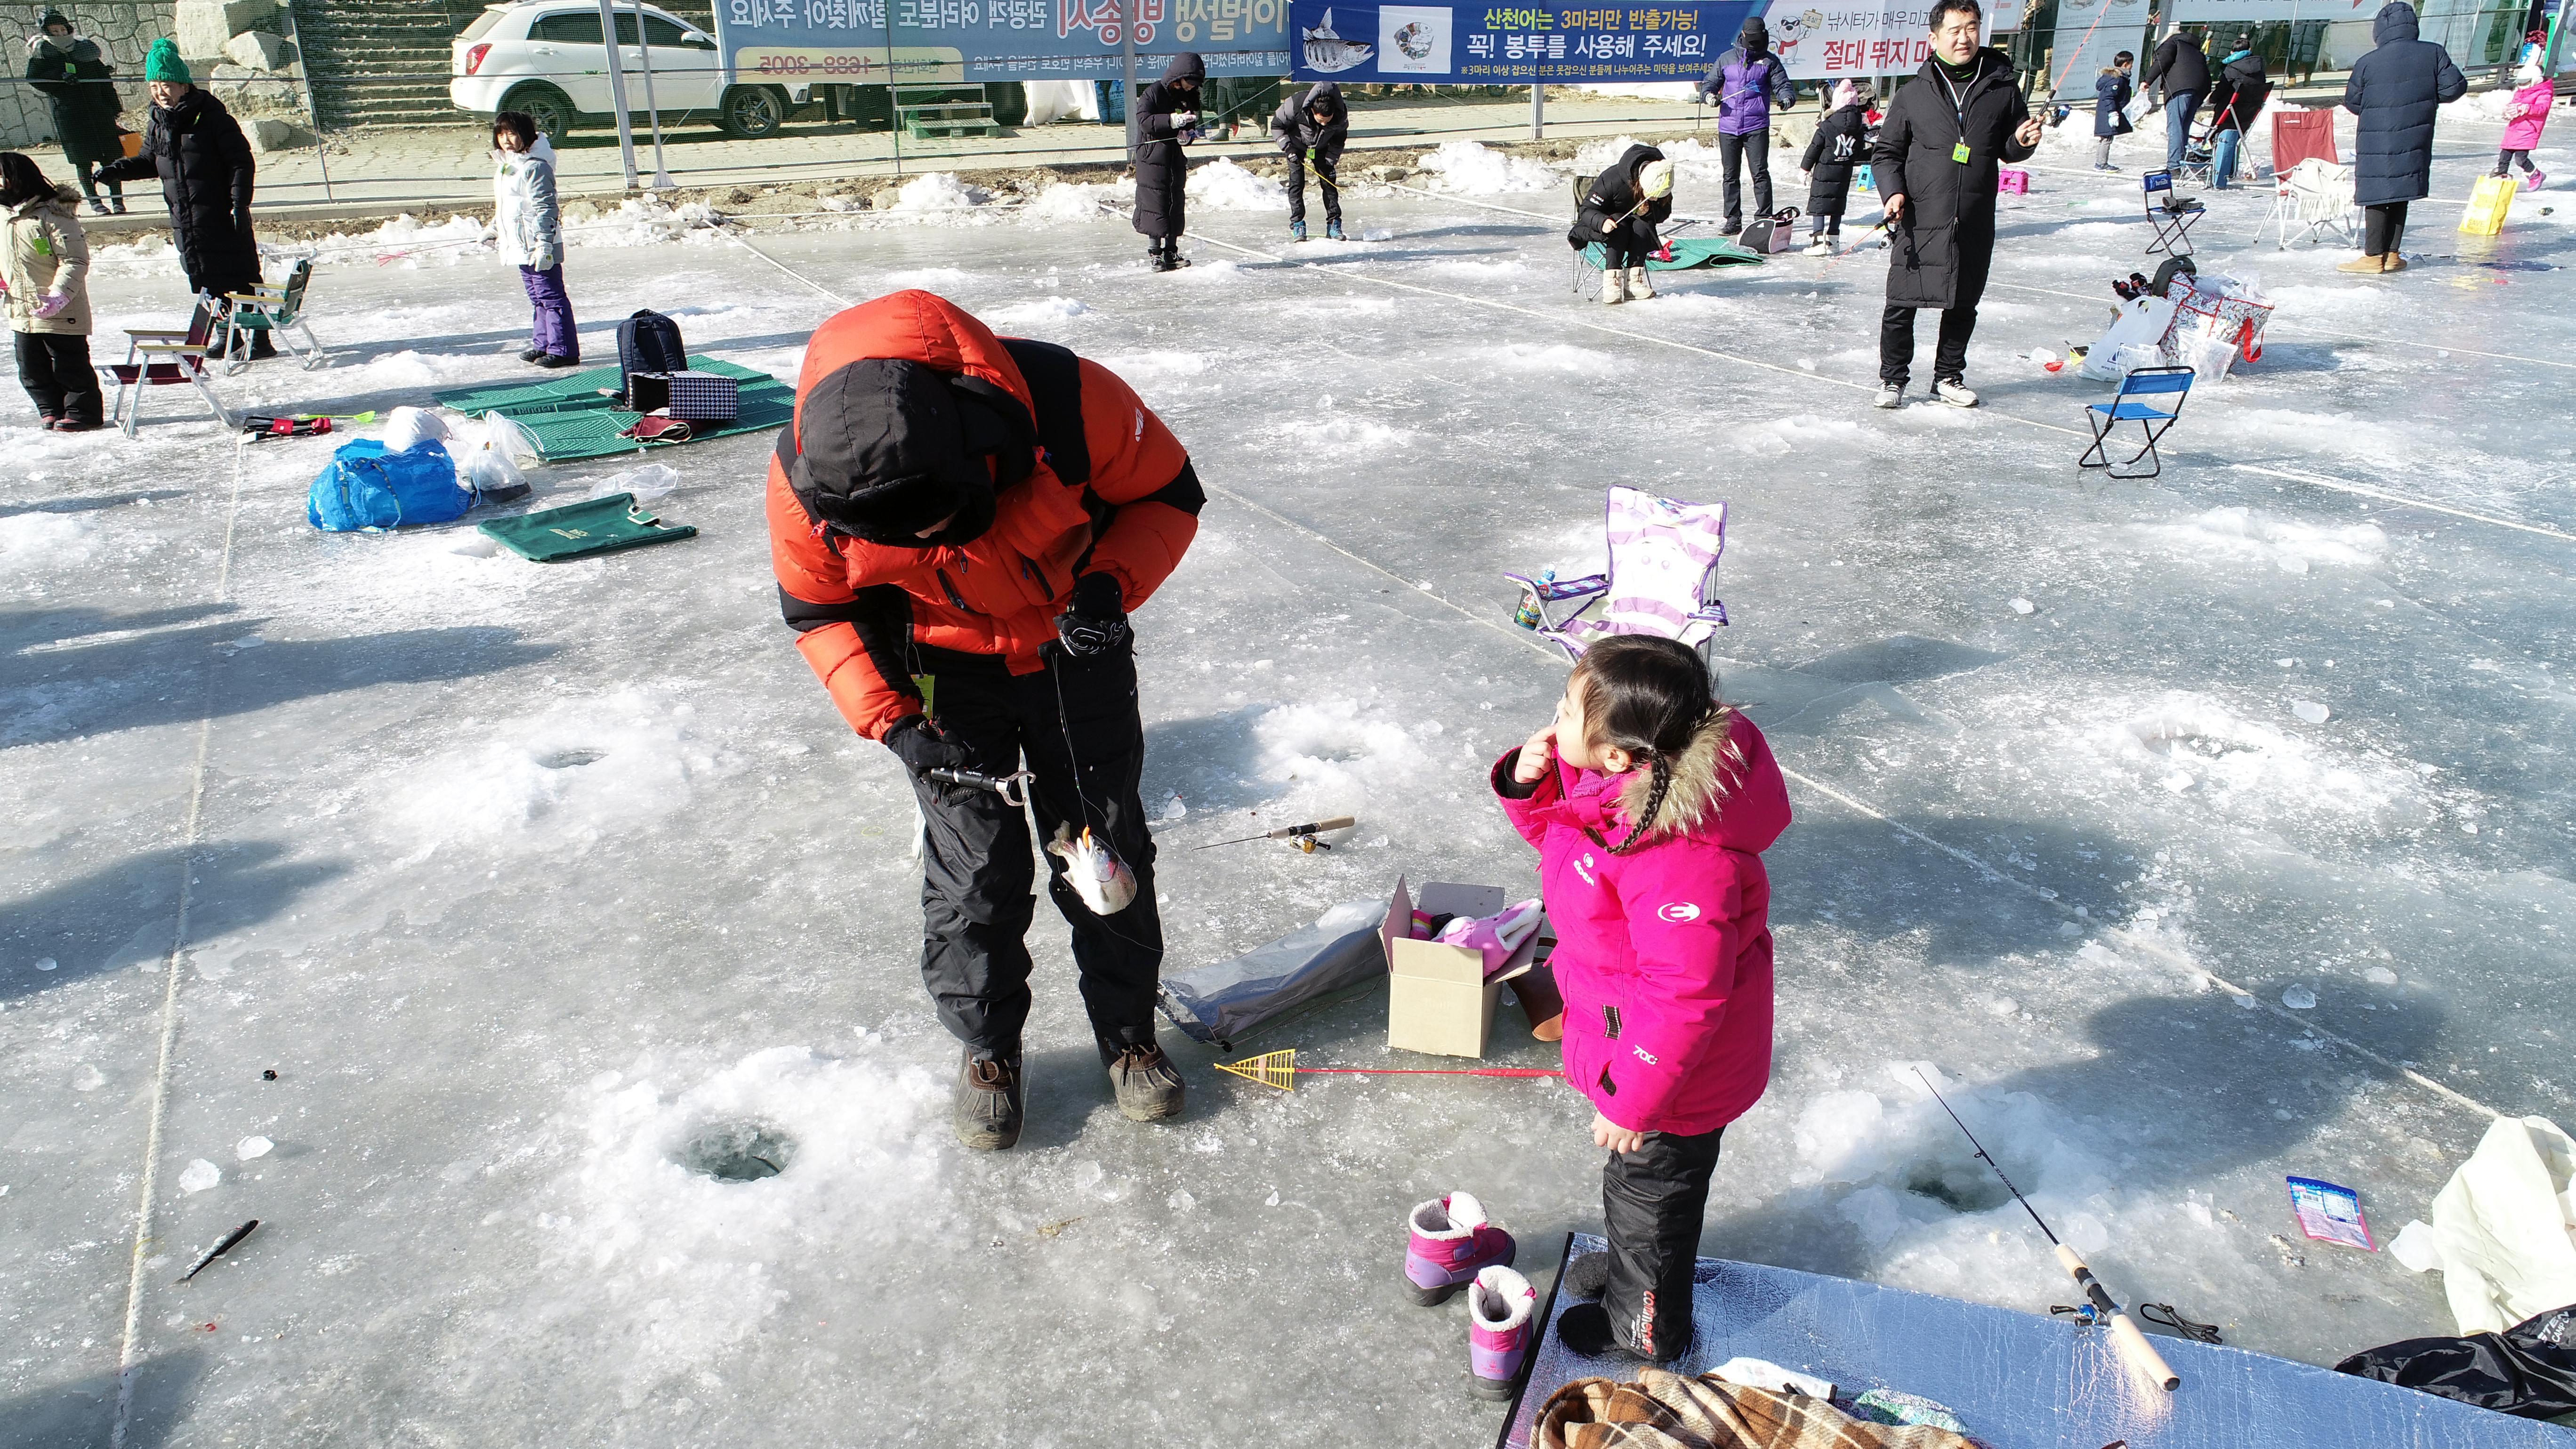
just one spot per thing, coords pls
(571, 759)
(1964, 1190)
(739, 1149)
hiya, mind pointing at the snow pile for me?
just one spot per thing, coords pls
(1474, 169)
(1329, 748)
(38, 543)
(1552, 357)
(2191, 744)
(1064, 201)
(641, 221)
(684, 1261)
(1223, 186)
(938, 191)
(1044, 309)
(556, 781)
(1594, 157)
(2254, 536)
(1803, 433)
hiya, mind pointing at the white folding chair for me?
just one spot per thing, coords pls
(2312, 201)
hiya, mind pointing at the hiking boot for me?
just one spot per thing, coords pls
(1149, 1088)
(2534, 180)
(1296, 231)
(987, 1109)
(99, 208)
(1614, 286)
(1954, 392)
(1890, 395)
(1499, 1331)
(1639, 286)
(531, 354)
(76, 425)
(118, 203)
(2364, 266)
(1333, 229)
(556, 360)
(1448, 1241)
(2392, 262)
(1820, 248)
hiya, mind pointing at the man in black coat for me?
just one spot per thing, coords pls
(1313, 131)
(73, 75)
(2395, 90)
(1945, 136)
(206, 173)
(1166, 114)
(2183, 70)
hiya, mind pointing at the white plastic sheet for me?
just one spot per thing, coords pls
(2503, 1232)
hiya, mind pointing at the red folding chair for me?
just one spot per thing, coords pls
(2298, 135)
(160, 357)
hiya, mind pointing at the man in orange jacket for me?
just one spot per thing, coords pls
(960, 525)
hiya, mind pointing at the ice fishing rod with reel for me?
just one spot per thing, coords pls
(1300, 836)
(2125, 1333)
(1002, 785)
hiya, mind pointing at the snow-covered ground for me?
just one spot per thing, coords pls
(522, 879)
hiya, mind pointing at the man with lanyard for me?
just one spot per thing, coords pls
(1935, 159)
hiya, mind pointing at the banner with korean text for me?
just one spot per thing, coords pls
(1481, 45)
(851, 42)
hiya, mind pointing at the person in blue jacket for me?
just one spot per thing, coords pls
(2111, 96)
(2395, 90)
(1744, 85)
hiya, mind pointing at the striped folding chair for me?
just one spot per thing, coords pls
(1663, 563)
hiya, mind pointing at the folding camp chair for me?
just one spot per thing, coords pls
(2153, 421)
(2170, 213)
(163, 358)
(1663, 561)
(2314, 201)
(277, 311)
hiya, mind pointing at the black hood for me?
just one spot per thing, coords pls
(886, 447)
(1186, 66)
(2396, 22)
(1635, 158)
(1326, 94)
(1755, 37)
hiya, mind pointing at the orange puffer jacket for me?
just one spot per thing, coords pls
(1130, 513)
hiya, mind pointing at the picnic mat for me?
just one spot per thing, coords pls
(569, 418)
(1690, 252)
(578, 530)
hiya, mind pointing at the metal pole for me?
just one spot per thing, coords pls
(1127, 70)
(644, 49)
(1538, 110)
(321, 152)
(894, 102)
(617, 88)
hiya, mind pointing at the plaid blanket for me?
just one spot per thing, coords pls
(1664, 1410)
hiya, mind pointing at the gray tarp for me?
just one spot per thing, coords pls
(1223, 1002)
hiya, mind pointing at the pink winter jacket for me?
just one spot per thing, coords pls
(1664, 953)
(2525, 115)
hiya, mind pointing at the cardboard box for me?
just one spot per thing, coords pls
(1439, 999)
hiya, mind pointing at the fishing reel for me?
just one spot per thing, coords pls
(1002, 785)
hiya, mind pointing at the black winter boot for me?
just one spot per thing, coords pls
(1149, 1088)
(988, 1106)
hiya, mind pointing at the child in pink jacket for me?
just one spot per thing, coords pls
(1650, 804)
(2525, 115)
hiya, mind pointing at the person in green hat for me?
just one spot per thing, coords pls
(71, 73)
(193, 144)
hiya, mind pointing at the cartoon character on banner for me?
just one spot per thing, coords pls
(1787, 29)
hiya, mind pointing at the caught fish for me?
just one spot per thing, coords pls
(1326, 51)
(1094, 871)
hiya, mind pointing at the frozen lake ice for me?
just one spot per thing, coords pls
(528, 881)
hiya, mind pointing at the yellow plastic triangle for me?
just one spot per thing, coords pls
(1270, 1069)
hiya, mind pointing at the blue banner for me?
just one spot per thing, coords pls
(923, 42)
(1476, 45)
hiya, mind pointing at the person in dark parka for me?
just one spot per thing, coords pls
(1841, 140)
(1313, 131)
(1168, 111)
(207, 174)
(2395, 90)
(71, 73)
(2182, 68)
(1945, 136)
(2111, 95)
(1745, 84)
(1619, 214)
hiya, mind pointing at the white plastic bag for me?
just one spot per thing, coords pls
(647, 483)
(511, 439)
(2208, 357)
(488, 470)
(2142, 322)
(408, 427)
(2504, 1227)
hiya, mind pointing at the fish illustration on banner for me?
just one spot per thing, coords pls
(1326, 51)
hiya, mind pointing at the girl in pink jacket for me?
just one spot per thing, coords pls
(1650, 804)
(2524, 117)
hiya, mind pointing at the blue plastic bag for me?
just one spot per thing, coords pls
(367, 486)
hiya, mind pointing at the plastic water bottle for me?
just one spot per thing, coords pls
(1528, 615)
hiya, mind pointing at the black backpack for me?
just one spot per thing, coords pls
(649, 342)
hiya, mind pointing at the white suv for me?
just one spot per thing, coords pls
(546, 57)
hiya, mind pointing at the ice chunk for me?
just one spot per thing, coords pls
(199, 1176)
(47, 963)
(253, 1147)
(2299, 998)
(2024, 606)
(88, 1078)
(2309, 710)
(2380, 976)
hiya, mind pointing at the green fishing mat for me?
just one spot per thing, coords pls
(572, 417)
(1690, 252)
(578, 530)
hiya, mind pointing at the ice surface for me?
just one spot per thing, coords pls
(532, 882)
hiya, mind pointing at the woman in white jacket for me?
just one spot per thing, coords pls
(528, 227)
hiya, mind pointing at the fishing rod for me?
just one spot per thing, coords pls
(1279, 1069)
(1302, 836)
(1002, 785)
(2133, 1344)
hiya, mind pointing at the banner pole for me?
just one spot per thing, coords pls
(894, 106)
(1538, 110)
(644, 52)
(617, 88)
(1127, 70)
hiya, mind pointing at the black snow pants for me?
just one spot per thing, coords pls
(1075, 722)
(54, 369)
(1653, 1200)
(1324, 175)
(1733, 152)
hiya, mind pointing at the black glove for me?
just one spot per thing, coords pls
(1096, 622)
(922, 748)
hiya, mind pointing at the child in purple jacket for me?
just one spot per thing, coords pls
(1650, 804)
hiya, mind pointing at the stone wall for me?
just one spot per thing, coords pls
(238, 49)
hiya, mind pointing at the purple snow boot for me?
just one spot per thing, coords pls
(1498, 1330)
(1450, 1241)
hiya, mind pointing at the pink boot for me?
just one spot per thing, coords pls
(1498, 1330)
(2532, 180)
(1450, 1240)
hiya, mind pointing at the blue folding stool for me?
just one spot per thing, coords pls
(2172, 215)
(2160, 383)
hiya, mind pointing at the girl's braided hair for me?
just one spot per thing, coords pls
(1651, 697)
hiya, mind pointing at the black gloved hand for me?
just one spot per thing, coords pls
(1096, 621)
(922, 748)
